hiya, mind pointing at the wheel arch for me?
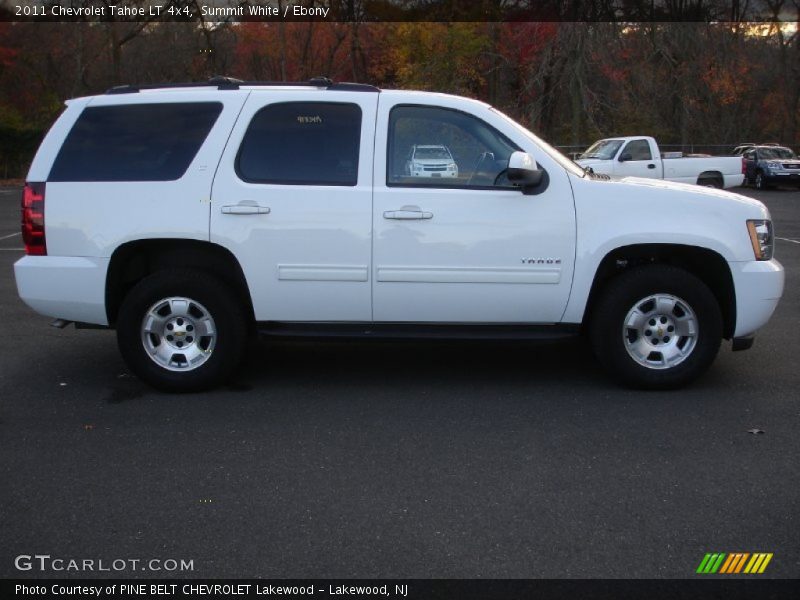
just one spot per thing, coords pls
(708, 265)
(136, 259)
(715, 175)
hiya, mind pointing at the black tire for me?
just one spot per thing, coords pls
(622, 294)
(759, 182)
(713, 182)
(230, 331)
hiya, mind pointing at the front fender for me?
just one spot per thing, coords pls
(631, 211)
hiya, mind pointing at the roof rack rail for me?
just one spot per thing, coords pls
(231, 83)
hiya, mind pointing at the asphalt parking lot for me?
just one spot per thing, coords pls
(355, 459)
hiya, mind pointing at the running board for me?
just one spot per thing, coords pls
(62, 323)
(437, 331)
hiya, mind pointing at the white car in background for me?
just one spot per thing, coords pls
(431, 161)
(640, 156)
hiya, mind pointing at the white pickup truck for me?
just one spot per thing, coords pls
(188, 216)
(639, 156)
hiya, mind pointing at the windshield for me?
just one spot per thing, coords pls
(438, 152)
(773, 153)
(603, 149)
(552, 152)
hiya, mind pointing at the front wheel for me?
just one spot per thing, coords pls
(181, 330)
(760, 182)
(656, 327)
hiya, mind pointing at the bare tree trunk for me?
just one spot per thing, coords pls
(305, 72)
(340, 34)
(355, 50)
(116, 54)
(79, 66)
(494, 62)
(282, 38)
(575, 69)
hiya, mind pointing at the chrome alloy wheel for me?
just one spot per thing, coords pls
(179, 334)
(660, 331)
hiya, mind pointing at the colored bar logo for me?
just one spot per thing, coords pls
(734, 563)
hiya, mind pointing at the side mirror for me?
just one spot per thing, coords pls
(625, 156)
(524, 172)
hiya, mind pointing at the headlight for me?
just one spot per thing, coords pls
(774, 166)
(761, 237)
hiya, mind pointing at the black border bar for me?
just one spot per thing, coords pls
(404, 10)
(699, 588)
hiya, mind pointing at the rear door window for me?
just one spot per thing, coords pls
(134, 142)
(302, 143)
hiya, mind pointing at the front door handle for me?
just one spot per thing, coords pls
(651, 166)
(245, 208)
(408, 213)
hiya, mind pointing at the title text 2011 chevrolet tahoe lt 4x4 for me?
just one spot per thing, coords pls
(186, 217)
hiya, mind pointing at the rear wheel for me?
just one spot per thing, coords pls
(181, 330)
(711, 181)
(656, 327)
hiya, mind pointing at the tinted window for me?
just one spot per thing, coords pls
(639, 150)
(440, 147)
(302, 143)
(134, 142)
(773, 153)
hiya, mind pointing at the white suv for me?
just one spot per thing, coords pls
(431, 161)
(188, 216)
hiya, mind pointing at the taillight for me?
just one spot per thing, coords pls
(33, 219)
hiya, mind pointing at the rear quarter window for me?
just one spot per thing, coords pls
(134, 142)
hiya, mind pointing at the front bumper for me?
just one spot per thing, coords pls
(67, 287)
(783, 178)
(442, 174)
(759, 286)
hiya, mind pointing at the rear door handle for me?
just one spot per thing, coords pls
(245, 208)
(651, 166)
(408, 213)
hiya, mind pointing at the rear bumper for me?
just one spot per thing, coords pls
(730, 181)
(759, 286)
(66, 287)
